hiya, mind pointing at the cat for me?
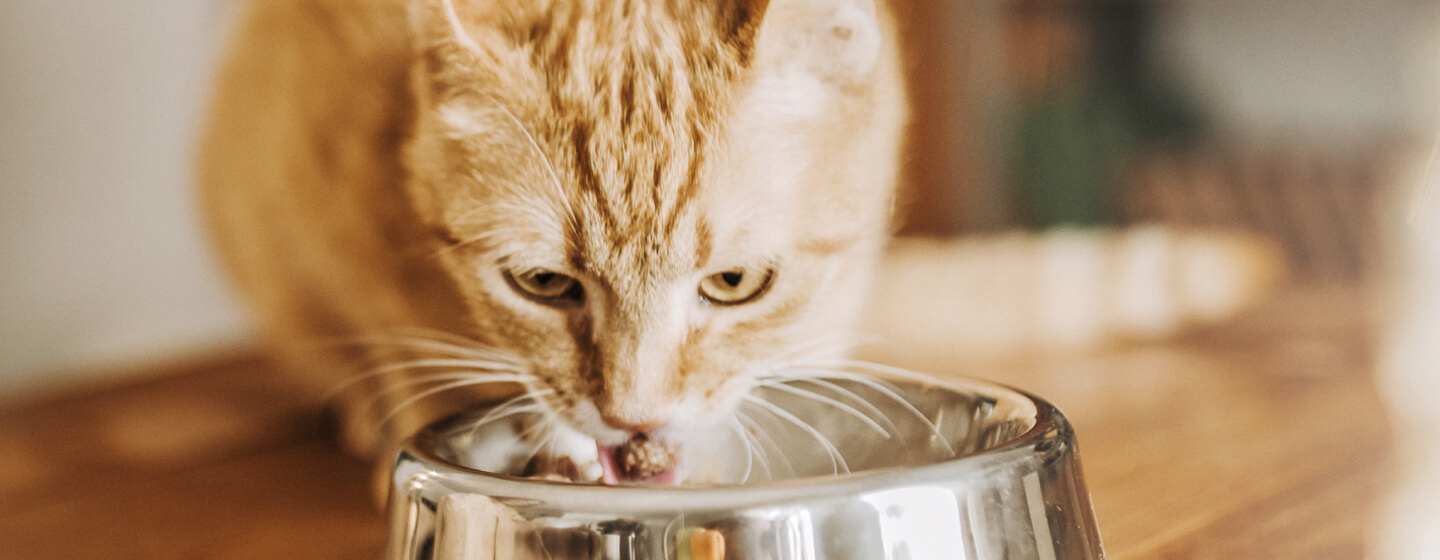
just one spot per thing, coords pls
(623, 213)
(625, 207)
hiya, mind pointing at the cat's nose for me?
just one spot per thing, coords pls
(642, 427)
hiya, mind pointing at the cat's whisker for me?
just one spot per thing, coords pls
(546, 417)
(541, 425)
(881, 369)
(837, 460)
(438, 342)
(441, 335)
(468, 240)
(501, 414)
(553, 426)
(760, 453)
(811, 395)
(529, 212)
(554, 435)
(870, 408)
(476, 365)
(876, 383)
(534, 145)
(541, 441)
(759, 432)
(828, 344)
(402, 405)
(434, 378)
(528, 431)
(749, 449)
(436, 349)
(879, 385)
(431, 377)
(390, 371)
(527, 403)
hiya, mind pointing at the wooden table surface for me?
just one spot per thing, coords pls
(1264, 438)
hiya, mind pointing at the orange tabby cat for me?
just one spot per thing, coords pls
(630, 208)
(626, 212)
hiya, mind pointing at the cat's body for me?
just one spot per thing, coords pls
(629, 207)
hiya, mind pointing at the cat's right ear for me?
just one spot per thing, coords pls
(836, 41)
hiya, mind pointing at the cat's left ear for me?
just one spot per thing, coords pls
(447, 50)
(836, 41)
(438, 22)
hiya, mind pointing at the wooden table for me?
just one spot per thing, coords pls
(1264, 439)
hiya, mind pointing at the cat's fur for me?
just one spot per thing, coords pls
(373, 168)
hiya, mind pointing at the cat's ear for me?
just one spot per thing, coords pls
(438, 22)
(837, 41)
(445, 48)
(740, 20)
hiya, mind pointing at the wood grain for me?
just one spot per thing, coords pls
(1262, 439)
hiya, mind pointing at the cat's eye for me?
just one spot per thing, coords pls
(734, 287)
(547, 286)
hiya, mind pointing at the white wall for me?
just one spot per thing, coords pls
(1276, 68)
(101, 257)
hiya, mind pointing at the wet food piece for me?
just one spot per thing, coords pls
(642, 458)
(707, 545)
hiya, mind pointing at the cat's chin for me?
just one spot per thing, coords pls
(597, 454)
(703, 447)
(535, 447)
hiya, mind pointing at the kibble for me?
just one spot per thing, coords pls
(642, 458)
(707, 545)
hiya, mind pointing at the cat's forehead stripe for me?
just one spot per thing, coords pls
(634, 118)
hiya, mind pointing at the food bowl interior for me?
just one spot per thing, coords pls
(798, 430)
(857, 468)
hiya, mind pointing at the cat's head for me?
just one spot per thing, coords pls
(649, 201)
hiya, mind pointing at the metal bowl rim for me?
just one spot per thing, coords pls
(1049, 426)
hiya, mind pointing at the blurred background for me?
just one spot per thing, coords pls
(102, 261)
(1055, 112)
(1283, 116)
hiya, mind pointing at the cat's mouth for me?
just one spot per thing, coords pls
(641, 460)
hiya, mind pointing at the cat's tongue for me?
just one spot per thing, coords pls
(617, 471)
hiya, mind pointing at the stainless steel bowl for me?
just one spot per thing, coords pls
(959, 469)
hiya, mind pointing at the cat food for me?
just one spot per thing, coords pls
(641, 458)
(707, 545)
(695, 543)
